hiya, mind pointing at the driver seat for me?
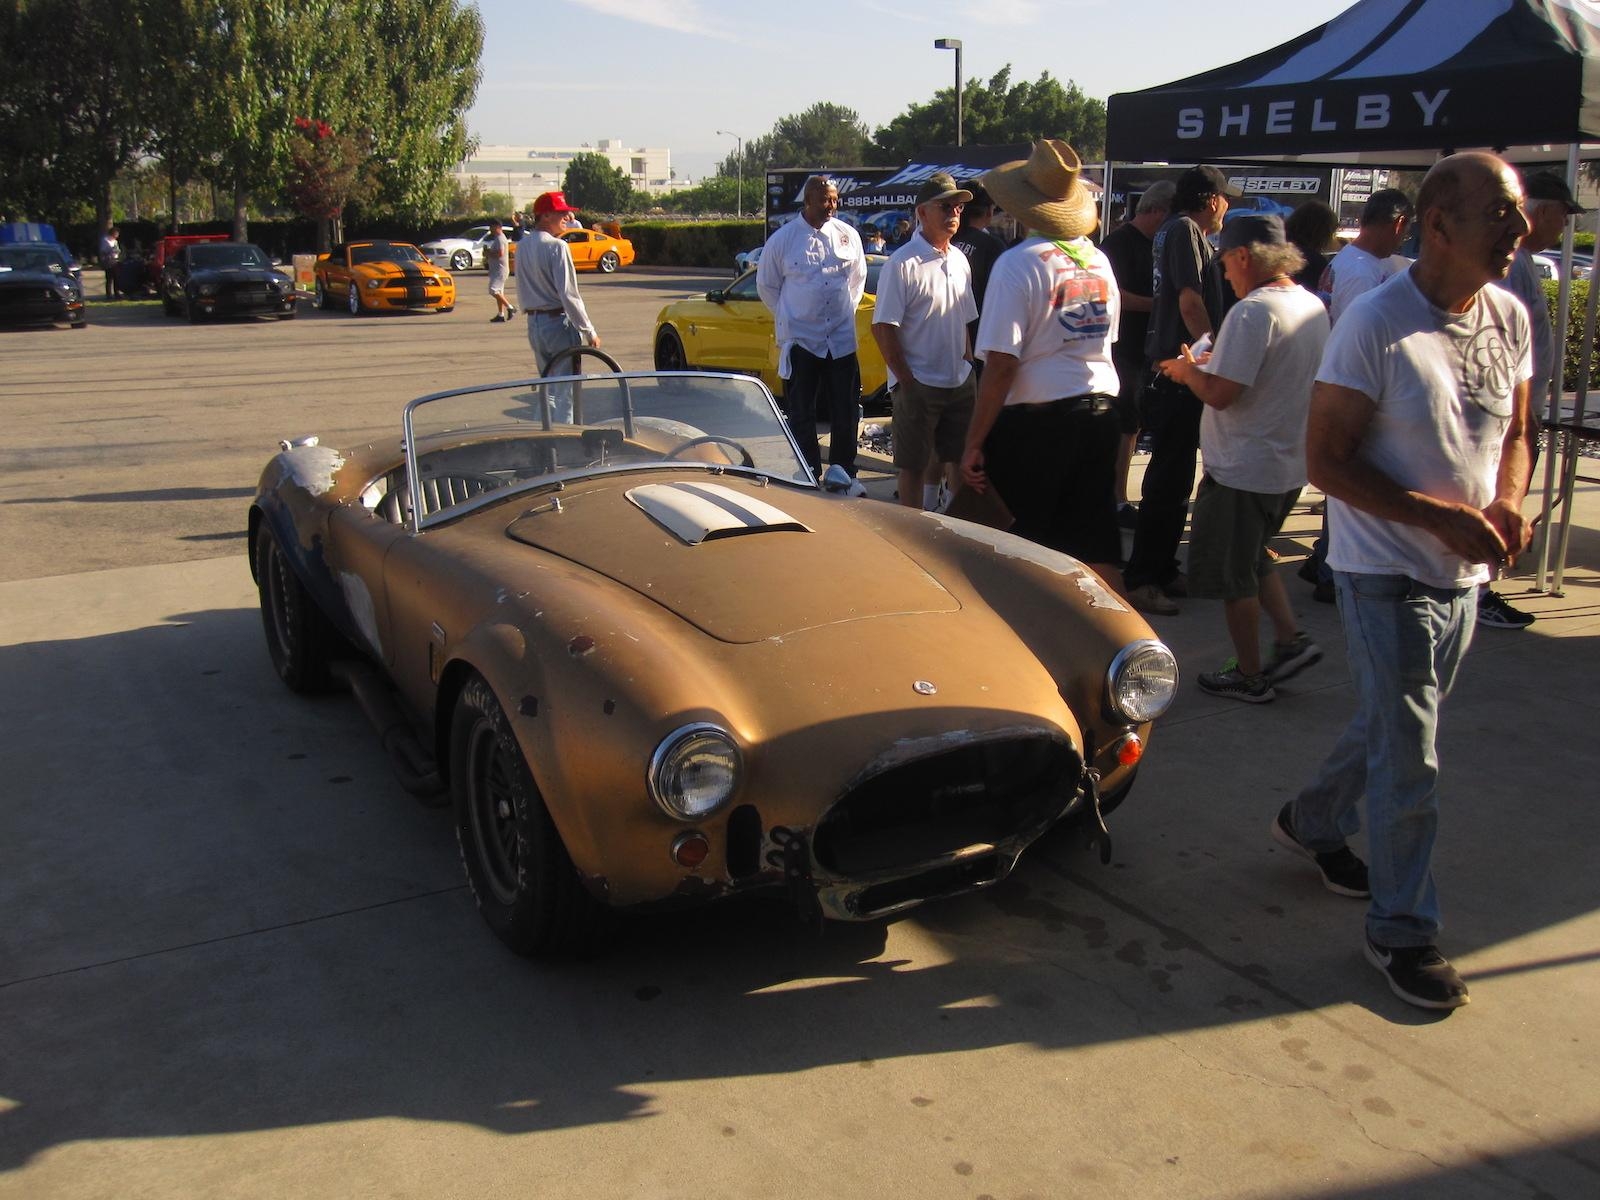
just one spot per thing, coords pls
(438, 491)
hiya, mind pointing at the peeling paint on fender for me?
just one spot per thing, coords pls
(312, 467)
(1009, 545)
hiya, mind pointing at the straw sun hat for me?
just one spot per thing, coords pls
(1044, 192)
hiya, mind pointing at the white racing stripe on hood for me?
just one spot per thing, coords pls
(698, 512)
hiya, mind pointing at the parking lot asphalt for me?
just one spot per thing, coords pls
(236, 959)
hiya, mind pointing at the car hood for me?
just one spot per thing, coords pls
(237, 275)
(34, 278)
(694, 545)
(410, 270)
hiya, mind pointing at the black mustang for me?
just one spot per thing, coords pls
(37, 284)
(209, 279)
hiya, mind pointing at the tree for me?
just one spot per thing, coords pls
(327, 169)
(824, 135)
(591, 182)
(997, 114)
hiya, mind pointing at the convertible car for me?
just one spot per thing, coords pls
(381, 277)
(730, 329)
(218, 279)
(614, 621)
(37, 284)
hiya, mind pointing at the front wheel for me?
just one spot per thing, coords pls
(521, 877)
(670, 355)
(192, 311)
(355, 299)
(300, 640)
(460, 260)
(323, 299)
(609, 262)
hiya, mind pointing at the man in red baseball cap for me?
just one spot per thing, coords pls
(547, 285)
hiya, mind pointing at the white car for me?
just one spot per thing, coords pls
(459, 252)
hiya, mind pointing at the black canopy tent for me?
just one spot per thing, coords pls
(1387, 83)
(1397, 83)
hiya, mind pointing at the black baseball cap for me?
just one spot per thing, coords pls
(1543, 185)
(1195, 184)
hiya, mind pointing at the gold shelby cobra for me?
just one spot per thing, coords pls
(617, 624)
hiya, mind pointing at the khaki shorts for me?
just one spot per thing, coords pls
(929, 419)
(1228, 535)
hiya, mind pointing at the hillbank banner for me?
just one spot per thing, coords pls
(880, 195)
(1386, 75)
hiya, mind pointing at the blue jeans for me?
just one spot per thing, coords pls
(549, 334)
(1405, 642)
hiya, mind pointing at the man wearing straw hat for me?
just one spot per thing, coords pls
(1045, 429)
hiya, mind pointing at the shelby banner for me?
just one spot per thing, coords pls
(1269, 188)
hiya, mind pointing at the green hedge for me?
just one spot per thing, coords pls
(1574, 356)
(692, 243)
(1583, 241)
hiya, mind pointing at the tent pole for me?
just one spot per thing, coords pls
(1570, 442)
(1551, 400)
(1105, 200)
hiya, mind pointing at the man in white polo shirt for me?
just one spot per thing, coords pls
(920, 323)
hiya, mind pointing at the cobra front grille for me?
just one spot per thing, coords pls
(29, 297)
(977, 794)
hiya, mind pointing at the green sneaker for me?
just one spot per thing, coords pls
(1236, 685)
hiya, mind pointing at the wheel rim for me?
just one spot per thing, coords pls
(282, 602)
(608, 261)
(669, 354)
(355, 299)
(492, 811)
(322, 296)
(460, 261)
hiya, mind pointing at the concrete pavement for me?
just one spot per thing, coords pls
(237, 960)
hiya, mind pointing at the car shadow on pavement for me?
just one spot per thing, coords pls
(219, 913)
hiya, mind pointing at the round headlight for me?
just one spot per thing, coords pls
(374, 283)
(207, 289)
(1142, 681)
(694, 771)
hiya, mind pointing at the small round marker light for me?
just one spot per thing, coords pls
(689, 849)
(1129, 750)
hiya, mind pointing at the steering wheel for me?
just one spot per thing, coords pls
(577, 354)
(709, 439)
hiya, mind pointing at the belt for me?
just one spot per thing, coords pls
(1069, 404)
(546, 312)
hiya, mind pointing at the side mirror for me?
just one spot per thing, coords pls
(717, 297)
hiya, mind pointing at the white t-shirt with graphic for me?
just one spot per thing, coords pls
(1443, 385)
(1056, 310)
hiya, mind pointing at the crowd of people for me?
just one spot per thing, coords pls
(1399, 387)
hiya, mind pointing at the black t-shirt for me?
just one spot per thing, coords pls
(1132, 257)
(1182, 254)
(981, 248)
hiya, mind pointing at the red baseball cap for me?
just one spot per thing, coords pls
(552, 202)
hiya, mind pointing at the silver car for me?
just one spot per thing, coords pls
(459, 252)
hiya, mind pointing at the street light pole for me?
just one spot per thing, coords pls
(953, 44)
(738, 153)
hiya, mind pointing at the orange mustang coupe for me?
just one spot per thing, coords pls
(596, 251)
(382, 277)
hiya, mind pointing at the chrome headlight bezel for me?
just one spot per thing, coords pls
(673, 757)
(1142, 681)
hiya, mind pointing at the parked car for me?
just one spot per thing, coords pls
(377, 276)
(730, 329)
(593, 250)
(167, 246)
(650, 662)
(37, 286)
(461, 251)
(218, 279)
(746, 259)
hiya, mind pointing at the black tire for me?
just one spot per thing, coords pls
(191, 311)
(353, 300)
(170, 306)
(300, 640)
(609, 262)
(670, 354)
(324, 300)
(461, 260)
(517, 866)
(290, 315)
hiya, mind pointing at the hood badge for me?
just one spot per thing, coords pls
(923, 688)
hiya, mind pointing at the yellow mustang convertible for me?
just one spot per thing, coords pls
(382, 277)
(731, 330)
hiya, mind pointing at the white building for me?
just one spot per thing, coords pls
(526, 171)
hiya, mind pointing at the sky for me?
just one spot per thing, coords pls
(673, 72)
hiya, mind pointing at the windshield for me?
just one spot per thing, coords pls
(220, 256)
(31, 258)
(397, 252)
(512, 437)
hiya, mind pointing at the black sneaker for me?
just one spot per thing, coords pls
(1342, 872)
(1288, 660)
(1236, 685)
(1419, 975)
(1496, 613)
(1128, 516)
